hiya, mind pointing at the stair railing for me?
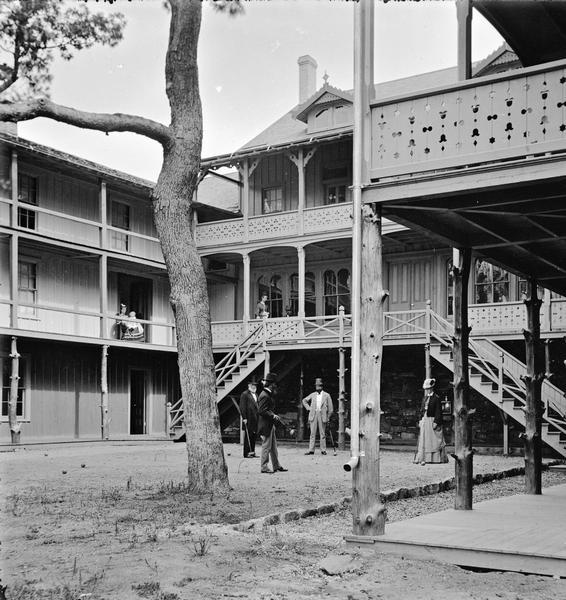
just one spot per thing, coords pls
(241, 353)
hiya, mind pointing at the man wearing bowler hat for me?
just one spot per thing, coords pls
(248, 410)
(319, 405)
(266, 425)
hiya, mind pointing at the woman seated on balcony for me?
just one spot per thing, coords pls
(134, 330)
(122, 321)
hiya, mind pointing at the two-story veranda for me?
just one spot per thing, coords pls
(78, 240)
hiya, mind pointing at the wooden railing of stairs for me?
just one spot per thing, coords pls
(231, 370)
(497, 376)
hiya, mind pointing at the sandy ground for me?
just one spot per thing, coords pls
(113, 521)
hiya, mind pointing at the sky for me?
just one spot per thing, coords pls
(247, 66)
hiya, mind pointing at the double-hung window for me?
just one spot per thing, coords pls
(27, 288)
(27, 193)
(120, 218)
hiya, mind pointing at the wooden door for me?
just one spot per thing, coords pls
(137, 402)
(410, 286)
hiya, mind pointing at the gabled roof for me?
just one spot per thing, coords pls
(326, 95)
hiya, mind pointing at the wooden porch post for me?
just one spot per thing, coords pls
(103, 200)
(302, 191)
(533, 383)
(245, 201)
(368, 510)
(428, 370)
(247, 291)
(267, 361)
(14, 262)
(300, 420)
(103, 284)
(464, 16)
(104, 418)
(341, 383)
(15, 426)
(463, 453)
(15, 190)
(301, 274)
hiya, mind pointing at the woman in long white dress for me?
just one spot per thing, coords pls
(431, 447)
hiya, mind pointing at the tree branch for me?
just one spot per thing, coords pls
(43, 107)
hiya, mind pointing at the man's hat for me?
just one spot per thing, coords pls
(270, 378)
(429, 383)
(318, 381)
(253, 381)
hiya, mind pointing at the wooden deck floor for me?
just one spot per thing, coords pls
(516, 533)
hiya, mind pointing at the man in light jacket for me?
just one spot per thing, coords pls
(319, 405)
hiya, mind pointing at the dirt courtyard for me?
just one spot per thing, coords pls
(113, 520)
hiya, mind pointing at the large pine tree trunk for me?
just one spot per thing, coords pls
(172, 199)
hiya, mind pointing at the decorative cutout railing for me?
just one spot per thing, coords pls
(510, 115)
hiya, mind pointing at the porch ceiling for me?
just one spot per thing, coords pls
(522, 228)
(535, 29)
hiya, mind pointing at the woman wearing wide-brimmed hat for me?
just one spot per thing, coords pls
(431, 447)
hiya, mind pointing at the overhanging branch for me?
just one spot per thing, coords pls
(106, 122)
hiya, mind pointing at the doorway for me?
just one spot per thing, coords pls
(410, 284)
(137, 294)
(138, 402)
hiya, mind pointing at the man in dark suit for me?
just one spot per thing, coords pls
(248, 410)
(266, 425)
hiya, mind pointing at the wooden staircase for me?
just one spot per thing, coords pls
(496, 375)
(231, 370)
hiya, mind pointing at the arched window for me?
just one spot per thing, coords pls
(293, 294)
(491, 284)
(336, 291)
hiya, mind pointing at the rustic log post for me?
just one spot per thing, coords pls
(300, 420)
(368, 510)
(104, 420)
(532, 438)
(505, 421)
(264, 344)
(15, 425)
(463, 453)
(428, 370)
(341, 382)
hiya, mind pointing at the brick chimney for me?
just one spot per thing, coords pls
(307, 77)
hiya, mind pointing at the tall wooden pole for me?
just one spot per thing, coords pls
(533, 382)
(300, 420)
(363, 89)
(341, 382)
(368, 510)
(15, 425)
(464, 16)
(463, 453)
(104, 416)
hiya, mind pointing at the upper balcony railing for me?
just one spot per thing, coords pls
(511, 115)
(505, 319)
(320, 219)
(69, 228)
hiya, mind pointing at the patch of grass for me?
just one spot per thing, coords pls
(147, 589)
(202, 544)
(112, 495)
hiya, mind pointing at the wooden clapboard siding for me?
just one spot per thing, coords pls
(4, 281)
(65, 390)
(66, 195)
(274, 171)
(221, 297)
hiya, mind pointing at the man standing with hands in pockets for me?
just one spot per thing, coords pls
(319, 405)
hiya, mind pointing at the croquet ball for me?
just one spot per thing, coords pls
(64, 472)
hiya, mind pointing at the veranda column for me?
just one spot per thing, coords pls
(302, 192)
(103, 204)
(464, 16)
(104, 414)
(301, 261)
(103, 284)
(14, 186)
(245, 202)
(463, 453)
(341, 382)
(533, 382)
(15, 426)
(14, 261)
(247, 290)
